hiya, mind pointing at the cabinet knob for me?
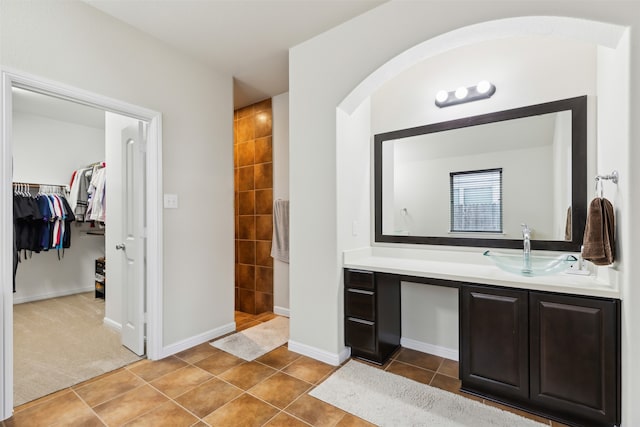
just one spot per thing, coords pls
(120, 247)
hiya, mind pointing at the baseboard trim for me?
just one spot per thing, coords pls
(197, 339)
(334, 359)
(447, 353)
(281, 311)
(21, 300)
(112, 324)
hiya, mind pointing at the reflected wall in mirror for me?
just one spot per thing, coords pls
(474, 181)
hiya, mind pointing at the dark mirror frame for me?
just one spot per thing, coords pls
(578, 108)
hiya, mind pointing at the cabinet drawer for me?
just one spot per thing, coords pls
(361, 304)
(359, 279)
(360, 335)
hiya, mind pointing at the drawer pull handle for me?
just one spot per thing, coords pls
(359, 291)
(364, 322)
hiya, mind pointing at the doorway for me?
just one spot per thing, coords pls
(149, 220)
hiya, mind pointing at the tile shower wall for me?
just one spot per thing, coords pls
(253, 165)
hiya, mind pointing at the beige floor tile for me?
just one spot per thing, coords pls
(247, 375)
(219, 363)
(279, 357)
(181, 381)
(107, 388)
(157, 368)
(285, 420)
(309, 370)
(65, 409)
(450, 368)
(197, 353)
(168, 414)
(130, 405)
(352, 421)
(280, 389)
(245, 411)
(41, 400)
(422, 360)
(315, 411)
(420, 375)
(207, 397)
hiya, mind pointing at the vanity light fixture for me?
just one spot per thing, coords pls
(482, 90)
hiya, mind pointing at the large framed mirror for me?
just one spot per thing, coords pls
(475, 181)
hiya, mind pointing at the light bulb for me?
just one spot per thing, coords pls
(483, 86)
(442, 96)
(461, 92)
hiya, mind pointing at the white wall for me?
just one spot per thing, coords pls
(73, 43)
(325, 69)
(280, 108)
(48, 151)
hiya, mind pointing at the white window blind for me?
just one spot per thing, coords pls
(476, 201)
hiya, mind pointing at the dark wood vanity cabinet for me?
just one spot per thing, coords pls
(553, 354)
(494, 333)
(372, 314)
(575, 357)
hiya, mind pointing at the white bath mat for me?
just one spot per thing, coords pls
(256, 341)
(386, 399)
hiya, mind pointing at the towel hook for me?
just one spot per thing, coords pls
(613, 177)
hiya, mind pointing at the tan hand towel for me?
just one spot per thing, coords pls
(598, 242)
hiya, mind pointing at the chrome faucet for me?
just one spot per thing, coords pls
(526, 255)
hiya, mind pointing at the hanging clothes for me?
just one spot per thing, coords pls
(40, 223)
(87, 195)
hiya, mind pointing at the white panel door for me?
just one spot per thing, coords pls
(132, 244)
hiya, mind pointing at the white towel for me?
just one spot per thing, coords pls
(280, 241)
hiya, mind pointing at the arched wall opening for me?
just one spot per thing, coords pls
(609, 105)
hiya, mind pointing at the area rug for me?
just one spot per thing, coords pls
(386, 399)
(257, 340)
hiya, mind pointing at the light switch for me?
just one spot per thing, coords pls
(171, 201)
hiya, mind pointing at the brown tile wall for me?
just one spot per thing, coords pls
(253, 165)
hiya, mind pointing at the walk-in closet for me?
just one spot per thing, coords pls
(66, 308)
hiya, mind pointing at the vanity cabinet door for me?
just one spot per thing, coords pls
(575, 357)
(494, 341)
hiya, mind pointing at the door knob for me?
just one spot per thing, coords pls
(120, 247)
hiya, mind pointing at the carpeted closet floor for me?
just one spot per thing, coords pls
(60, 342)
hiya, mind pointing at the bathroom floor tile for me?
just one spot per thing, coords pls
(247, 375)
(420, 375)
(279, 357)
(109, 387)
(285, 420)
(130, 405)
(155, 369)
(219, 363)
(246, 411)
(447, 383)
(280, 389)
(315, 411)
(197, 353)
(352, 421)
(181, 381)
(168, 414)
(309, 370)
(207, 397)
(450, 368)
(416, 358)
(66, 409)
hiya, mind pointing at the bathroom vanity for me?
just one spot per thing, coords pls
(549, 345)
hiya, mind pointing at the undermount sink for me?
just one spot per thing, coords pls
(540, 265)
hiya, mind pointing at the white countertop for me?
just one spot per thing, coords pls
(472, 267)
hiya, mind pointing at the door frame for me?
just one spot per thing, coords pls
(154, 237)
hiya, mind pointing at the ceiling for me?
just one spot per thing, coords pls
(248, 39)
